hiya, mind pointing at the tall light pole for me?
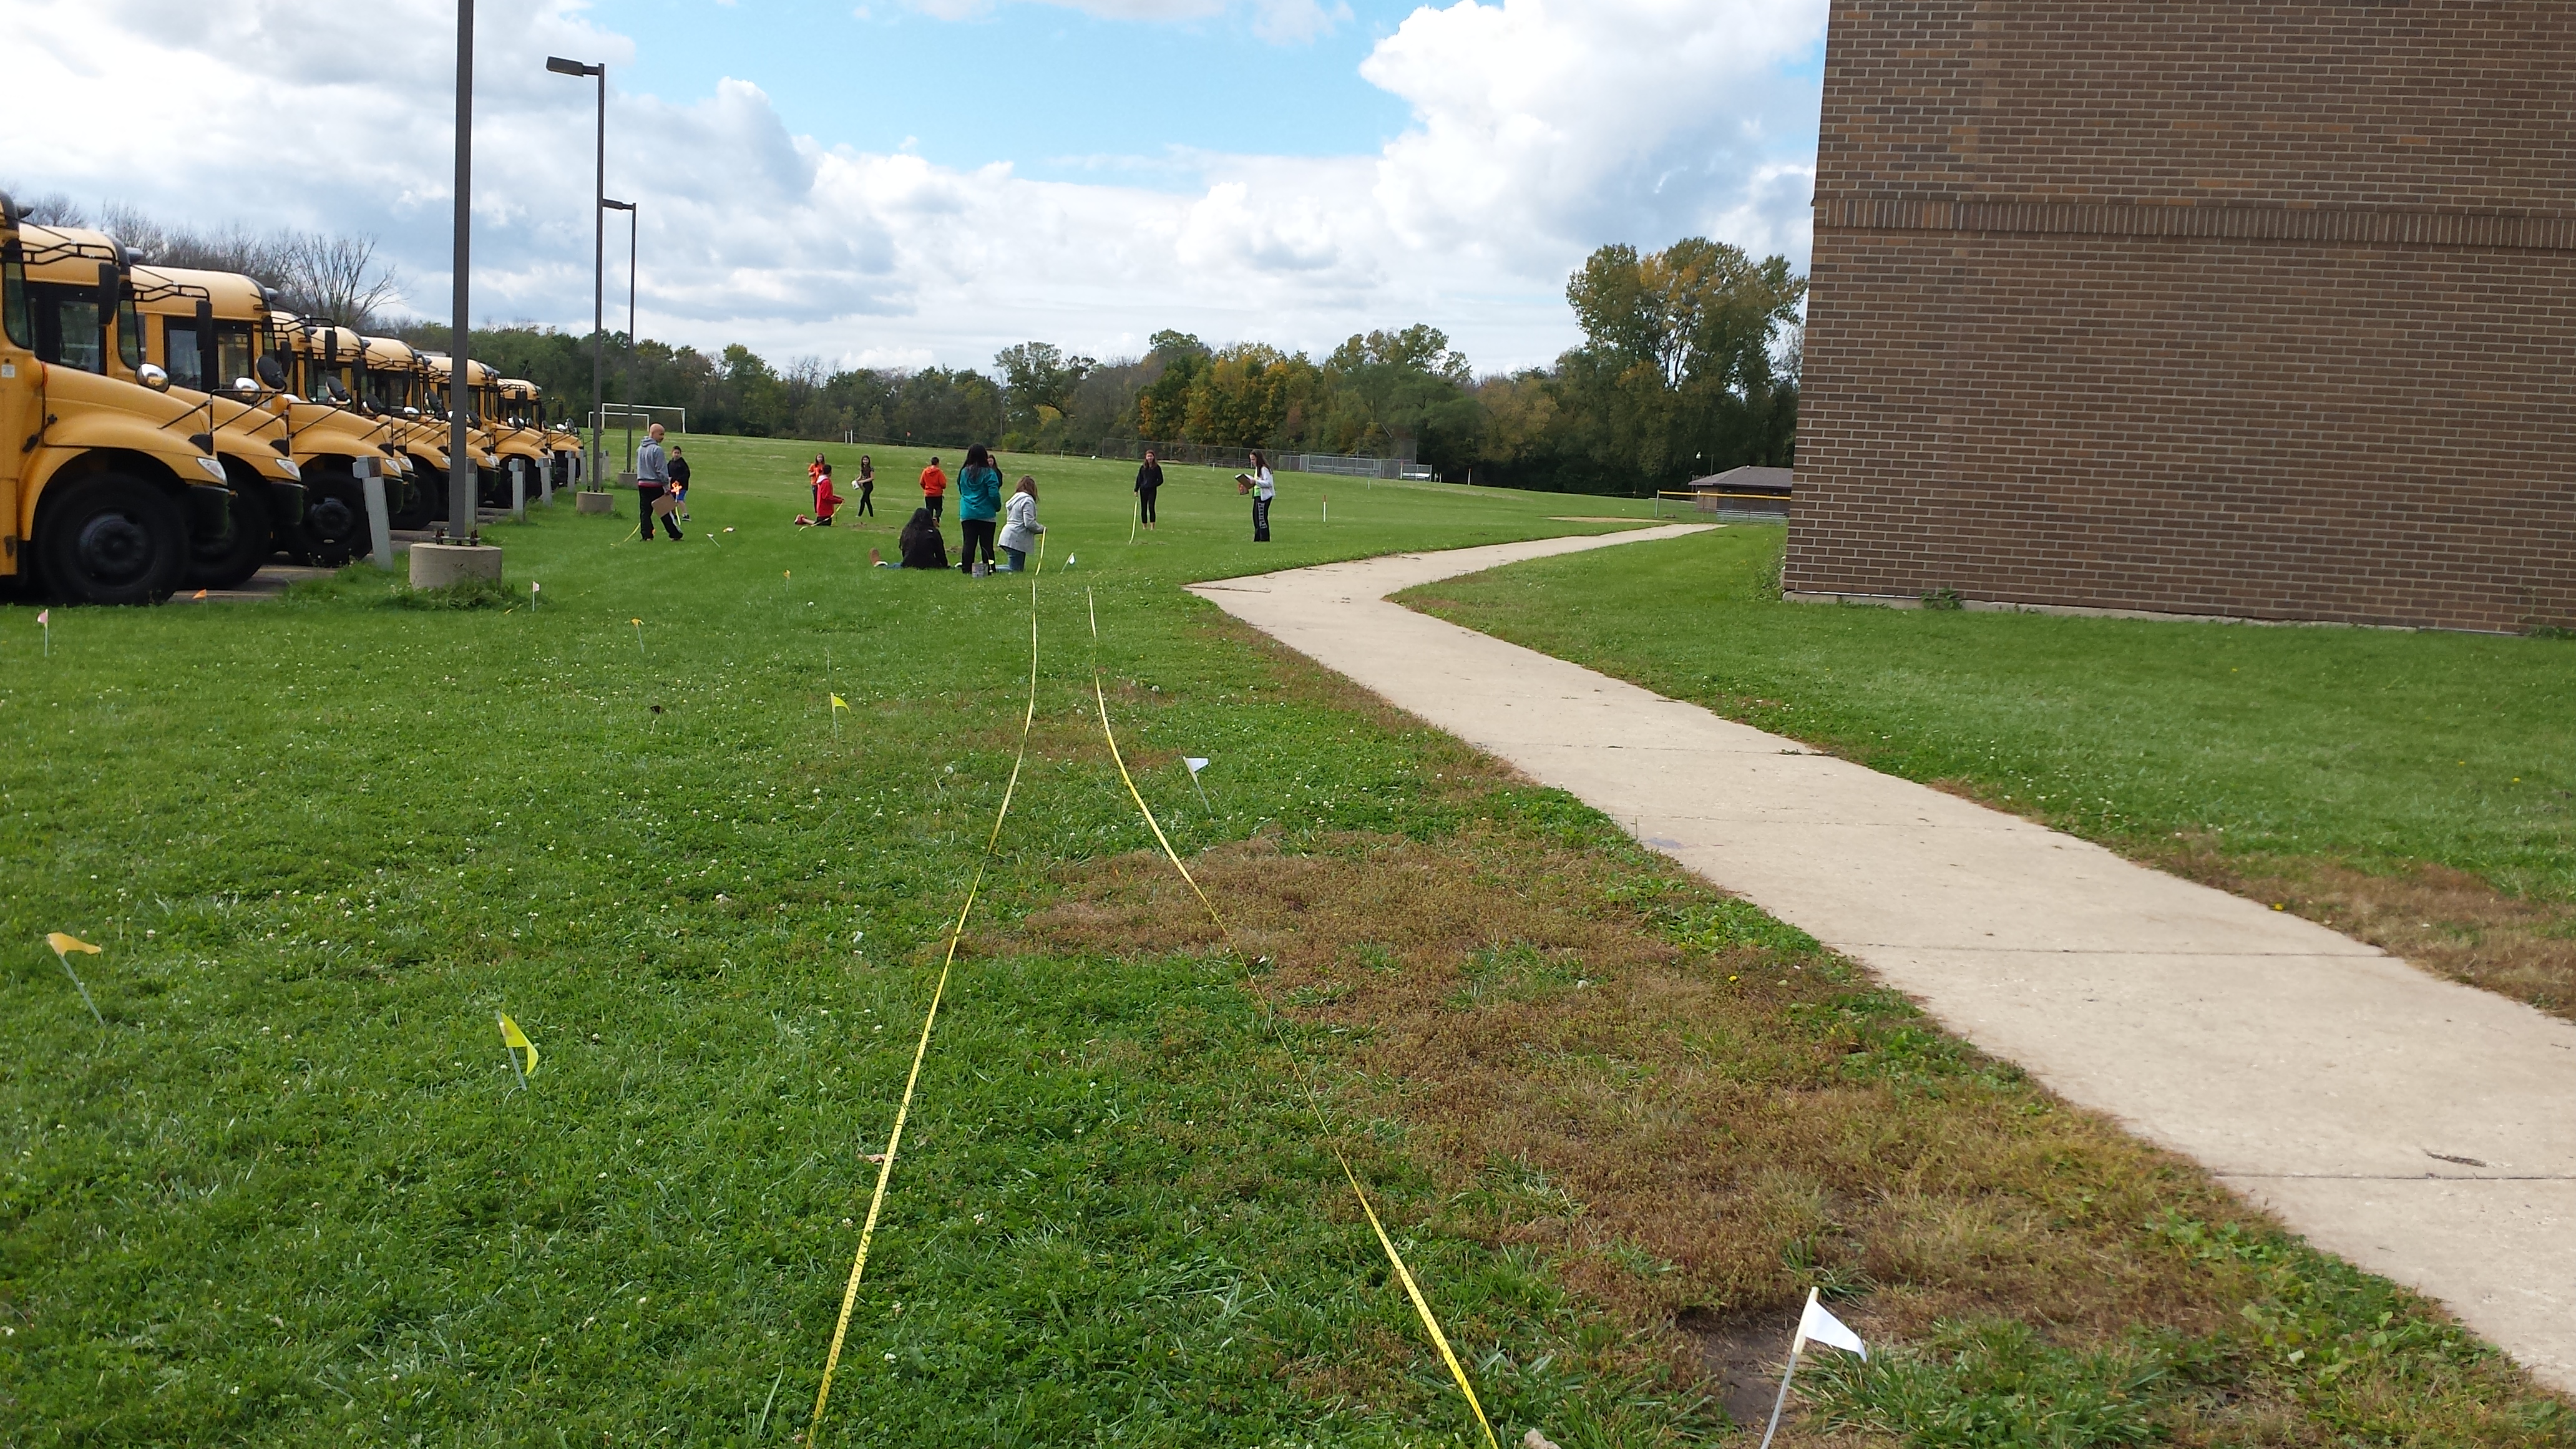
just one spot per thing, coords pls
(632, 220)
(463, 494)
(598, 259)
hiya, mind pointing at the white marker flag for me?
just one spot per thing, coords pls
(1195, 763)
(1815, 1325)
(1818, 1326)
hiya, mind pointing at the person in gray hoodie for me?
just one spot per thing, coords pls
(1020, 533)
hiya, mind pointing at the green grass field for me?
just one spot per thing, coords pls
(293, 1193)
(2256, 751)
(2377, 745)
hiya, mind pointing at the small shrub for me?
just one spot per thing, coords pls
(1766, 587)
(1943, 599)
(471, 592)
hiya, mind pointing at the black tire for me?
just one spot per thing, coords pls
(334, 531)
(228, 561)
(111, 539)
(427, 500)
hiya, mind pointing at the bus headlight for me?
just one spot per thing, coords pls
(287, 467)
(213, 469)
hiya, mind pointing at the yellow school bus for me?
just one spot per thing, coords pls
(323, 367)
(210, 331)
(523, 405)
(67, 264)
(412, 384)
(109, 479)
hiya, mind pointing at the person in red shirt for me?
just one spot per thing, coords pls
(825, 500)
(934, 489)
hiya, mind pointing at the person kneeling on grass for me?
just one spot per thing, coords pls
(922, 544)
(1020, 533)
(826, 502)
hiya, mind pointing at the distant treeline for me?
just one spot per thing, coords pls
(1689, 365)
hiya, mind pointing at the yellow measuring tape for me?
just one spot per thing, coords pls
(1412, 1290)
(903, 1109)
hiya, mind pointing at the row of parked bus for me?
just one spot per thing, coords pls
(168, 428)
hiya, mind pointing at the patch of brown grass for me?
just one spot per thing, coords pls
(2447, 921)
(1681, 1131)
(1691, 1137)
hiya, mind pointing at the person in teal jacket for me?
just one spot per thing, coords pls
(979, 503)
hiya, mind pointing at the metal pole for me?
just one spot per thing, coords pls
(599, 293)
(634, 219)
(461, 490)
(1781, 1402)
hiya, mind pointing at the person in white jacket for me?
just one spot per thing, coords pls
(1263, 490)
(1020, 528)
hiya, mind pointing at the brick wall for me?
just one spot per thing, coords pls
(2254, 309)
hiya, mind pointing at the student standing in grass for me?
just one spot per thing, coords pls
(867, 488)
(1149, 481)
(1263, 490)
(652, 480)
(979, 503)
(680, 481)
(934, 489)
(1021, 533)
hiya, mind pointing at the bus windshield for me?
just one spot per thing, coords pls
(71, 331)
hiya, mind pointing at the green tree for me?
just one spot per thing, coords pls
(1038, 378)
(1676, 372)
(1163, 404)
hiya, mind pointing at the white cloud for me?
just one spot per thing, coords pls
(1281, 22)
(1540, 130)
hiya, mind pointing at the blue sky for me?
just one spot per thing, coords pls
(1058, 93)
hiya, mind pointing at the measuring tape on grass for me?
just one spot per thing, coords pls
(921, 1049)
(1404, 1275)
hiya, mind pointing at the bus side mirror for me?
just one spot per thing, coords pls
(152, 377)
(270, 370)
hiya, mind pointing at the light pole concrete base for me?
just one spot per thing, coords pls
(601, 503)
(436, 565)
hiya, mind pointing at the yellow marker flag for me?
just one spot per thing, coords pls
(64, 943)
(517, 1041)
(839, 703)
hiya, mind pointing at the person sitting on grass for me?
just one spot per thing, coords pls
(1020, 534)
(922, 544)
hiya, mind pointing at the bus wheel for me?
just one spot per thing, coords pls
(110, 539)
(334, 531)
(226, 561)
(426, 500)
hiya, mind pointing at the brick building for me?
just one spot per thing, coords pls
(2252, 309)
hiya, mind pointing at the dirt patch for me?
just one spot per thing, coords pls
(1741, 1355)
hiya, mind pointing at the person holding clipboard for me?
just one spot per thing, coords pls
(1258, 483)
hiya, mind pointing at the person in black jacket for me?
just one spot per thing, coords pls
(923, 546)
(1149, 481)
(680, 481)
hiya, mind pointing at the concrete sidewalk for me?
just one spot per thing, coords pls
(2421, 1129)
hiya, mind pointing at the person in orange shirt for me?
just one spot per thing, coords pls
(934, 489)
